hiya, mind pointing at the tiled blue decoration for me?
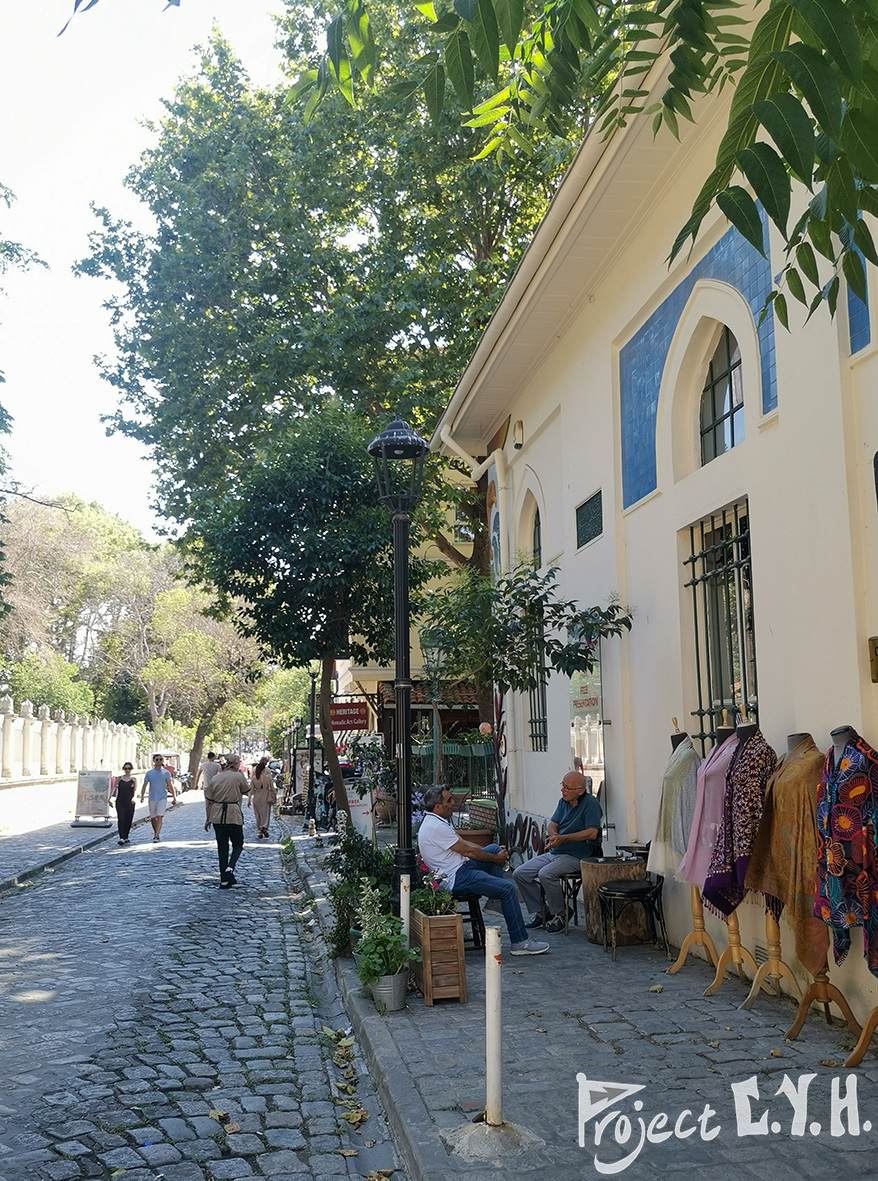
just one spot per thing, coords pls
(858, 319)
(732, 260)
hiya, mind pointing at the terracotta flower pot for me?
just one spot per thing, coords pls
(476, 836)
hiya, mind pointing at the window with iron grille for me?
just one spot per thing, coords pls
(589, 520)
(722, 400)
(539, 713)
(720, 581)
(537, 540)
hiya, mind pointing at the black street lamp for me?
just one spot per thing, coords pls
(399, 454)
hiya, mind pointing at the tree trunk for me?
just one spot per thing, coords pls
(485, 702)
(198, 744)
(330, 754)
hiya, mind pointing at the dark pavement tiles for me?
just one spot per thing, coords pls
(155, 1027)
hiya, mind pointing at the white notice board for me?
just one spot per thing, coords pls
(93, 796)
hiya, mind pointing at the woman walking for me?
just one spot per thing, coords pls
(123, 791)
(262, 796)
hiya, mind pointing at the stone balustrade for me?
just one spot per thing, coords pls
(34, 744)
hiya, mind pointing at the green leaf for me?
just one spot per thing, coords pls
(859, 138)
(780, 310)
(863, 241)
(740, 208)
(510, 15)
(830, 294)
(816, 79)
(771, 183)
(485, 38)
(841, 188)
(787, 122)
(361, 43)
(588, 14)
(335, 46)
(834, 28)
(434, 91)
(819, 233)
(794, 283)
(852, 266)
(466, 9)
(428, 10)
(807, 262)
(459, 64)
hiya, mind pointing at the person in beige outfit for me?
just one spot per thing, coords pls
(222, 800)
(261, 797)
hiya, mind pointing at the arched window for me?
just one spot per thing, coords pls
(537, 546)
(722, 400)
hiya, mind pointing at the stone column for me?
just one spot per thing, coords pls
(45, 727)
(104, 742)
(60, 725)
(6, 708)
(27, 717)
(85, 746)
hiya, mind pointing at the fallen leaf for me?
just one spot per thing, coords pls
(355, 1118)
(657, 988)
(713, 1045)
(517, 971)
(369, 1143)
(233, 1128)
(350, 1152)
(538, 1030)
(829, 1062)
(776, 1053)
(215, 1114)
(727, 1028)
(713, 1070)
(533, 1013)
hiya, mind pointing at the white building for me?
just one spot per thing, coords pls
(743, 535)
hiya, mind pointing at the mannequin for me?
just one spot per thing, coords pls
(794, 740)
(840, 738)
(724, 731)
(676, 806)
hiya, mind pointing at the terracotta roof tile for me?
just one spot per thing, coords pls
(462, 694)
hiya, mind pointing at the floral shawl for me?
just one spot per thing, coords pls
(709, 796)
(678, 781)
(752, 765)
(847, 867)
(783, 864)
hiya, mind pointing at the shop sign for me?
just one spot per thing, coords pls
(349, 715)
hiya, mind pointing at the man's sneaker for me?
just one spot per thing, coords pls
(493, 906)
(224, 885)
(529, 947)
(555, 924)
(533, 923)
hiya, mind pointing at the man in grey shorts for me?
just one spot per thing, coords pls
(160, 783)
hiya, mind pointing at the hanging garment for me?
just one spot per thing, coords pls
(679, 783)
(707, 816)
(847, 866)
(783, 864)
(752, 765)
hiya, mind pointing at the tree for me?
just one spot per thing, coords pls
(805, 109)
(44, 678)
(300, 539)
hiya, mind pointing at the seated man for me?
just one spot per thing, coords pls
(573, 832)
(444, 852)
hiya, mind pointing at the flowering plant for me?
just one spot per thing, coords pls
(433, 896)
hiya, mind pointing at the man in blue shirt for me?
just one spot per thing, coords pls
(160, 783)
(573, 832)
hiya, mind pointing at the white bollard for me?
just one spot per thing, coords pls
(493, 1029)
(405, 905)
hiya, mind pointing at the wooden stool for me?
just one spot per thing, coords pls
(474, 918)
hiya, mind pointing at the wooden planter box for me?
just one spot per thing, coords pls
(441, 974)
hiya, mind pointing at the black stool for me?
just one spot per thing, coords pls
(474, 918)
(615, 897)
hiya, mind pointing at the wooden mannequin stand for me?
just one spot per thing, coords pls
(870, 1025)
(697, 937)
(774, 969)
(821, 991)
(735, 954)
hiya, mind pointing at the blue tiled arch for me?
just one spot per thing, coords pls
(642, 360)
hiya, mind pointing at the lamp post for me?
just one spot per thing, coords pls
(399, 454)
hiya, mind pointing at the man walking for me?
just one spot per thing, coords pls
(206, 771)
(573, 831)
(222, 802)
(160, 783)
(470, 869)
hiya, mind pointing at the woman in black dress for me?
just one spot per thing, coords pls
(123, 790)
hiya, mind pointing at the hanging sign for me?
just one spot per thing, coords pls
(349, 715)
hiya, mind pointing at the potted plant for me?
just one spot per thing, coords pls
(475, 832)
(353, 858)
(437, 931)
(384, 959)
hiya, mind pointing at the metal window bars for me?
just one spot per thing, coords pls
(721, 582)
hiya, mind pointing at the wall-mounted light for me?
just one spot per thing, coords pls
(518, 435)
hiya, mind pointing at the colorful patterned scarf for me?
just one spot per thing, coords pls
(678, 786)
(751, 767)
(707, 817)
(847, 866)
(783, 864)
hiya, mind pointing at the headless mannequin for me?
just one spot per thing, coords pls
(723, 733)
(793, 740)
(677, 738)
(744, 731)
(821, 990)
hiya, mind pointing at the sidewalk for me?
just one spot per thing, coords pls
(629, 1025)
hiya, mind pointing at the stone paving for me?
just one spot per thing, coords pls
(153, 1026)
(574, 1011)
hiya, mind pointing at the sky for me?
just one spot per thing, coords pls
(72, 126)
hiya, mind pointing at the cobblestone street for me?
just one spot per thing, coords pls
(153, 1024)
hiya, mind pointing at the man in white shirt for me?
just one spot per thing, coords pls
(205, 773)
(444, 852)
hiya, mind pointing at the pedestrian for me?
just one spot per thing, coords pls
(160, 782)
(222, 802)
(262, 796)
(123, 793)
(206, 771)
